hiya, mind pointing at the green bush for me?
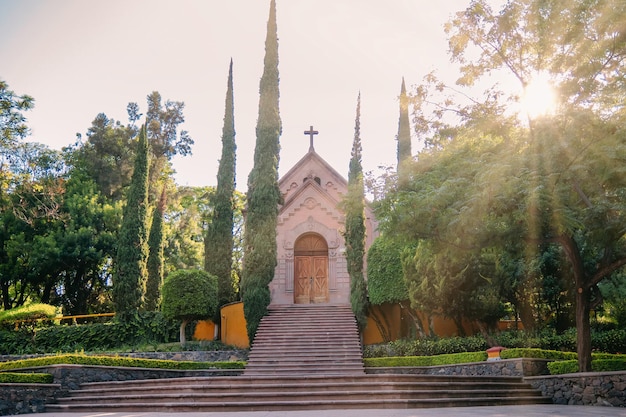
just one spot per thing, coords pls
(28, 312)
(427, 347)
(143, 329)
(101, 360)
(438, 360)
(597, 365)
(17, 378)
(611, 341)
(534, 353)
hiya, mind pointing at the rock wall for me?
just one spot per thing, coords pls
(26, 398)
(606, 389)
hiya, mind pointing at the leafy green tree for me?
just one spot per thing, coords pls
(514, 189)
(12, 120)
(404, 131)
(31, 210)
(354, 235)
(155, 257)
(132, 252)
(573, 160)
(189, 295)
(263, 195)
(106, 156)
(162, 121)
(78, 253)
(386, 283)
(218, 243)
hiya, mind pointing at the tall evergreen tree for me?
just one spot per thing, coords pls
(404, 131)
(354, 204)
(156, 242)
(132, 251)
(218, 243)
(263, 195)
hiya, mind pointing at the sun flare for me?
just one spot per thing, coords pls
(539, 97)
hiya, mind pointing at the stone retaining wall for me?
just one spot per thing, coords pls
(196, 356)
(506, 367)
(591, 388)
(26, 398)
(69, 377)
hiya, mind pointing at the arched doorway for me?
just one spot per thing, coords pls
(311, 269)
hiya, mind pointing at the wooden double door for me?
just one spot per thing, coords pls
(310, 270)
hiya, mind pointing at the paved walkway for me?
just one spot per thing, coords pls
(508, 411)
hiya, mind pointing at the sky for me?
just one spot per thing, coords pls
(79, 58)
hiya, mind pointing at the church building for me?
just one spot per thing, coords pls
(311, 249)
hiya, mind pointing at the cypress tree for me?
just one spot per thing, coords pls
(354, 235)
(218, 243)
(263, 195)
(155, 257)
(404, 132)
(132, 251)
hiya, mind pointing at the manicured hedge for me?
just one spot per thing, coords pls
(29, 312)
(438, 360)
(117, 361)
(611, 341)
(597, 365)
(17, 378)
(144, 328)
(537, 354)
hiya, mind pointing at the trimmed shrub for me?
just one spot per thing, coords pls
(597, 365)
(534, 353)
(17, 378)
(100, 360)
(438, 360)
(28, 312)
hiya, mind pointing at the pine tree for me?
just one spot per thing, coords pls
(155, 257)
(132, 252)
(404, 132)
(354, 235)
(263, 195)
(218, 243)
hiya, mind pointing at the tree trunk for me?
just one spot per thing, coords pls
(383, 328)
(183, 338)
(583, 329)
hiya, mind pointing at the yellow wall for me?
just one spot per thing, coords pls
(233, 329)
(205, 330)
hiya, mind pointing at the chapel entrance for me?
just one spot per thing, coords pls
(311, 269)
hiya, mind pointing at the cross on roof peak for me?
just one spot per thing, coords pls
(311, 133)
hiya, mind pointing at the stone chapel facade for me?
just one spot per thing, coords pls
(312, 264)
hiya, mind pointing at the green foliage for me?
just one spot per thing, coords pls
(12, 121)
(263, 196)
(354, 235)
(385, 280)
(18, 378)
(219, 241)
(597, 365)
(155, 258)
(141, 329)
(189, 295)
(404, 153)
(537, 354)
(99, 360)
(438, 360)
(132, 251)
(28, 312)
(427, 347)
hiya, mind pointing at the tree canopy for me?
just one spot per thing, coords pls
(501, 204)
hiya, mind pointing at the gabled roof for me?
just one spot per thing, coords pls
(309, 157)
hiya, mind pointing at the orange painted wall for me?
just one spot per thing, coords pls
(205, 330)
(233, 329)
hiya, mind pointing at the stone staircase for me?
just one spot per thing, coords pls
(306, 340)
(303, 358)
